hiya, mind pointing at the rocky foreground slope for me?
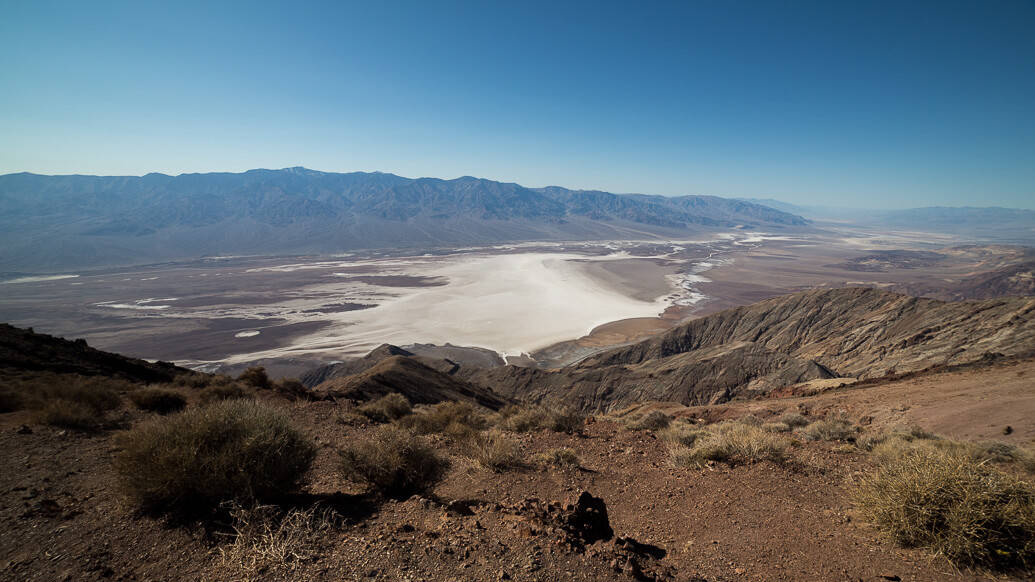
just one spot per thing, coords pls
(751, 350)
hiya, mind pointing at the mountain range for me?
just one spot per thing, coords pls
(56, 222)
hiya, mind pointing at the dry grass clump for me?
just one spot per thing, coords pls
(386, 408)
(527, 419)
(64, 400)
(681, 433)
(220, 392)
(269, 543)
(655, 420)
(560, 457)
(945, 501)
(831, 429)
(494, 451)
(393, 461)
(236, 450)
(292, 389)
(794, 420)
(160, 400)
(733, 443)
(454, 419)
(776, 427)
(891, 446)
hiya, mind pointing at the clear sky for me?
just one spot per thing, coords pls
(849, 103)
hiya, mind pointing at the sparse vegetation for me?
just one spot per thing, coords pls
(776, 427)
(794, 420)
(831, 429)
(256, 378)
(219, 392)
(560, 457)
(64, 400)
(733, 443)
(68, 414)
(681, 433)
(160, 400)
(495, 451)
(393, 461)
(386, 408)
(236, 450)
(269, 542)
(455, 419)
(655, 420)
(947, 502)
(527, 419)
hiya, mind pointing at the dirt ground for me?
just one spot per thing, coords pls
(63, 517)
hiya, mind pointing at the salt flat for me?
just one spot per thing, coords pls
(512, 304)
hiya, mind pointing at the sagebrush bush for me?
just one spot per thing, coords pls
(794, 420)
(733, 443)
(219, 392)
(495, 451)
(567, 421)
(561, 457)
(386, 408)
(292, 389)
(393, 461)
(233, 450)
(655, 420)
(681, 433)
(68, 414)
(158, 400)
(256, 378)
(830, 429)
(947, 502)
(450, 418)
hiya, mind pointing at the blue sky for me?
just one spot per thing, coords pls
(868, 104)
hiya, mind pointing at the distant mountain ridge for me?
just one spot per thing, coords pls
(54, 222)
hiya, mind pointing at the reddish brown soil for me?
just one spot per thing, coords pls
(64, 519)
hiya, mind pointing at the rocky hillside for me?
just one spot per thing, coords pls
(420, 384)
(1012, 281)
(23, 350)
(55, 222)
(748, 351)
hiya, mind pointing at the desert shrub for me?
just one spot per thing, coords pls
(560, 457)
(945, 501)
(219, 392)
(68, 414)
(11, 401)
(794, 420)
(831, 429)
(681, 434)
(292, 389)
(386, 408)
(158, 400)
(494, 451)
(234, 450)
(393, 461)
(655, 420)
(269, 542)
(750, 420)
(445, 417)
(255, 377)
(776, 427)
(568, 421)
(518, 419)
(733, 443)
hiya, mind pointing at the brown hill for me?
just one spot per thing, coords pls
(747, 351)
(419, 383)
(25, 350)
(1012, 281)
